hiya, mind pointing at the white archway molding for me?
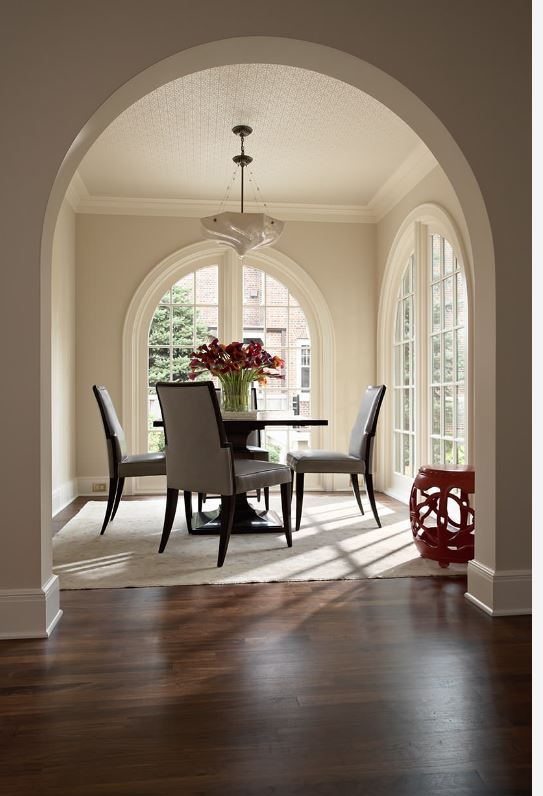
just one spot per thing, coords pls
(440, 221)
(412, 110)
(182, 262)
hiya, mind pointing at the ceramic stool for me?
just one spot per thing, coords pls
(442, 521)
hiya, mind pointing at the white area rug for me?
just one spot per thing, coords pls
(334, 543)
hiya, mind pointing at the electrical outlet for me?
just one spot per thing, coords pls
(98, 486)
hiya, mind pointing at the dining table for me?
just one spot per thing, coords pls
(238, 426)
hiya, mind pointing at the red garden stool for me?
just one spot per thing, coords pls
(442, 520)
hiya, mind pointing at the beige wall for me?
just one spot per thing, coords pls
(440, 66)
(63, 363)
(115, 253)
(434, 188)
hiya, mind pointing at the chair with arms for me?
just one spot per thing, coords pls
(357, 462)
(121, 465)
(254, 445)
(199, 459)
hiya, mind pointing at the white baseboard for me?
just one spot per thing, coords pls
(64, 494)
(30, 613)
(401, 497)
(506, 592)
(84, 488)
(85, 482)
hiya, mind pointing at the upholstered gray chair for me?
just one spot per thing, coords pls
(254, 444)
(357, 462)
(200, 459)
(121, 465)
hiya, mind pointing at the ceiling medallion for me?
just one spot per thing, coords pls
(245, 232)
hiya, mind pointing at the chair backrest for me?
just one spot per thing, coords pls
(363, 432)
(115, 436)
(198, 455)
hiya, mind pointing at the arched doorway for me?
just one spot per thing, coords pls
(431, 130)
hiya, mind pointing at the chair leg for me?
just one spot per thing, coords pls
(228, 503)
(187, 496)
(291, 484)
(169, 516)
(118, 496)
(356, 490)
(369, 489)
(267, 497)
(110, 502)
(201, 500)
(299, 498)
(258, 494)
(286, 490)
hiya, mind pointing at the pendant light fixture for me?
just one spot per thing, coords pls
(245, 232)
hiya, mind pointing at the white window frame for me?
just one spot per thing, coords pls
(401, 482)
(174, 267)
(304, 346)
(431, 230)
(413, 235)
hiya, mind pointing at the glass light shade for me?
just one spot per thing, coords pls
(243, 231)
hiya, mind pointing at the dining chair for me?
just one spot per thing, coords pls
(200, 459)
(121, 465)
(357, 462)
(254, 445)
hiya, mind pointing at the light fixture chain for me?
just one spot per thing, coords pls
(253, 185)
(258, 191)
(228, 188)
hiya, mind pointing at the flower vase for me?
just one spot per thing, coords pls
(235, 393)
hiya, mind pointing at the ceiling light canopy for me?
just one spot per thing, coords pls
(244, 232)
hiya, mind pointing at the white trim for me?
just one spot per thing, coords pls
(85, 482)
(30, 613)
(64, 494)
(414, 168)
(77, 193)
(199, 208)
(185, 260)
(505, 592)
(399, 495)
(409, 235)
(402, 248)
(151, 486)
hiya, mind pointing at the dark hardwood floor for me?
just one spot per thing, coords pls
(370, 687)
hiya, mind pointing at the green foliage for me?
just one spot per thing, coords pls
(274, 450)
(177, 328)
(157, 443)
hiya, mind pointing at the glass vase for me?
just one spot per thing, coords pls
(235, 393)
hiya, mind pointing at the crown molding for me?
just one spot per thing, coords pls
(77, 192)
(414, 168)
(199, 208)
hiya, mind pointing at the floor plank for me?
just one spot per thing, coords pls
(395, 687)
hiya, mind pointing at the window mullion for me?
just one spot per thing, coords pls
(421, 344)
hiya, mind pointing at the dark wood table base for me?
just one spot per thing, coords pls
(247, 519)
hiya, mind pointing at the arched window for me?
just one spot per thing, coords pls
(426, 334)
(198, 307)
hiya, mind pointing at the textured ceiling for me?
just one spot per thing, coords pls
(316, 140)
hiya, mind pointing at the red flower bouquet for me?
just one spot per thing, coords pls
(237, 366)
